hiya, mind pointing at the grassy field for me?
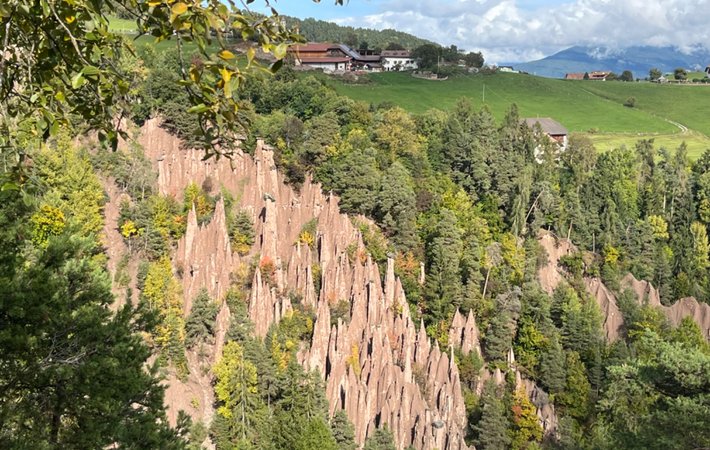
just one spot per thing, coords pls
(685, 104)
(697, 143)
(575, 108)
(670, 114)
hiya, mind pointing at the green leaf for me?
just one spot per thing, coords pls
(90, 71)
(10, 186)
(280, 51)
(276, 66)
(198, 109)
(78, 81)
(45, 8)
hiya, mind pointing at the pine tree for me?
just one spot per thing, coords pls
(658, 398)
(443, 282)
(700, 259)
(241, 232)
(73, 371)
(396, 207)
(354, 176)
(381, 439)
(493, 427)
(316, 434)
(236, 390)
(163, 293)
(502, 326)
(200, 324)
(552, 366)
(576, 396)
(343, 431)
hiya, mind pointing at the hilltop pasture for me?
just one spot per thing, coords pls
(670, 114)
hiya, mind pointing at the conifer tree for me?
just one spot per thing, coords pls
(241, 232)
(502, 326)
(443, 283)
(381, 439)
(343, 431)
(493, 427)
(73, 372)
(552, 366)
(200, 324)
(396, 207)
(576, 396)
(236, 389)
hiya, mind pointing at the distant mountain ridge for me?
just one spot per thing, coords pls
(638, 59)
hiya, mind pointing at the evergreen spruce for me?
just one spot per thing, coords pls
(200, 324)
(493, 427)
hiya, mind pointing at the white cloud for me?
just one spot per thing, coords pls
(505, 31)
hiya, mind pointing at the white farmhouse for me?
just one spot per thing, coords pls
(398, 60)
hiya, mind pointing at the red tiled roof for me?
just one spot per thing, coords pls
(574, 76)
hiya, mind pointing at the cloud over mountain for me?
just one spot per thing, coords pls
(510, 30)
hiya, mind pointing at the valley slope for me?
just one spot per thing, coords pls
(592, 108)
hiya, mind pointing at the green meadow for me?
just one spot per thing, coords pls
(670, 114)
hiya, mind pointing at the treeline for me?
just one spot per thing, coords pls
(321, 31)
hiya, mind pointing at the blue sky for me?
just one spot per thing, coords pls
(522, 30)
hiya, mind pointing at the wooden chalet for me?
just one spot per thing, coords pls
(597, 75)
(553, 129)
(329, 57)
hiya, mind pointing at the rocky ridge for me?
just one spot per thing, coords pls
(551, 275)
(375, 363)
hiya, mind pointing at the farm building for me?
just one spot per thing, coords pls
(371, 63)
(598, 75)
(574, 76)
(398, 60)
(329, 57)
(553, 129)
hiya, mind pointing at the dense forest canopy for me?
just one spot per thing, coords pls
(455, 190)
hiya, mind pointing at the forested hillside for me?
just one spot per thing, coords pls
(463, 194)
(154, 297)
(321, 31)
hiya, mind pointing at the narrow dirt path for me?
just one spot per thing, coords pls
(683, 129)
